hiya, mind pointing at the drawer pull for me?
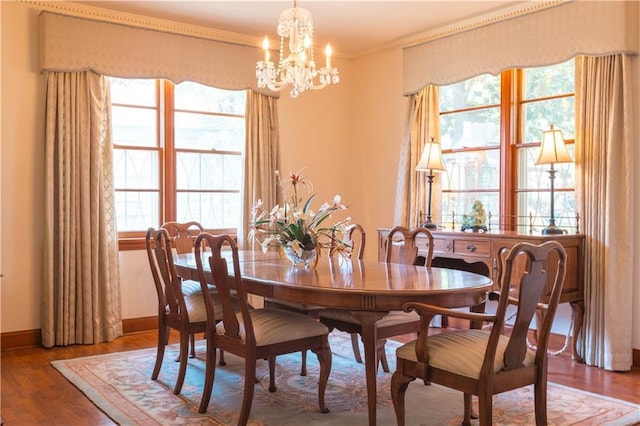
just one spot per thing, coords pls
(471, 248)
(448, 246)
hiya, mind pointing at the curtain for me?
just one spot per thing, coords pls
(81, 289)
(262, 157)
(423, 123)
(604, 153)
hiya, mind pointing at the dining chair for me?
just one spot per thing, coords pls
(401, 246)
(176, 310)
(252, 334)
(182, 237)
(485, 362)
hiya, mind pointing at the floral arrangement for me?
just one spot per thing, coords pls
(295, 225)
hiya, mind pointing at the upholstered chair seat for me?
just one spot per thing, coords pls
(462, 352)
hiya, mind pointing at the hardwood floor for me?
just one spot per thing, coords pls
(33, 392)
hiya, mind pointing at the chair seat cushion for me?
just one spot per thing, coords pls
(392, 318)
(190, 287)
(271, 325)
(461, 352)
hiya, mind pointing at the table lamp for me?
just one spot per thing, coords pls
(430, 160)
(552, 150)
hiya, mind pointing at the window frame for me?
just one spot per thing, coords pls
(167, 162)
(511, 135)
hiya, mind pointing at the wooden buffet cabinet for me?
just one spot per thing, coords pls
(482, 252)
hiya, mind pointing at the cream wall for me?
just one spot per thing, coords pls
(346, 137)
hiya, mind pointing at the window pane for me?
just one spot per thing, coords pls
(208, 171)
(477, 91)
(470, 129)
(538, 115)
(212, 210)
(199, 131)
(462, 203)
(538, 205)
(133, 92)
(136, 210)
(549, 81)
(537, 177)
(135, 169)
(134, 126)
(198, 97)
(472, 170)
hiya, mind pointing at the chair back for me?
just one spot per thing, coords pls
(354, 237)
(525, 279)
(230, 290)
(402, 245)
(171, 301)
(183, 235)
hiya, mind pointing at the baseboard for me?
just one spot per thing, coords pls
(33, 338)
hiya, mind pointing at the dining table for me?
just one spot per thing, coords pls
(368, 289)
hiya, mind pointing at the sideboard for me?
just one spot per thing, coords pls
(482, 252)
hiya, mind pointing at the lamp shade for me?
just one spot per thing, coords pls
(431, 158)
(552, 149)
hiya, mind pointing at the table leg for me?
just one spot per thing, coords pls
(368, 321)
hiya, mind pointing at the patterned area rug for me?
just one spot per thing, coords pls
(119, 385)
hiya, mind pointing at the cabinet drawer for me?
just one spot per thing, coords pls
(480, 248)
(442, 245)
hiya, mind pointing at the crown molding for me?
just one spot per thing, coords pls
(140, 21)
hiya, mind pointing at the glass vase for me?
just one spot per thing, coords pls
(305, 258)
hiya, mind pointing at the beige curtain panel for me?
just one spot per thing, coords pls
(423, 123)
(81, 289)
(604, 173)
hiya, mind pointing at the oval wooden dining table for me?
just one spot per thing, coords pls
(369, 289)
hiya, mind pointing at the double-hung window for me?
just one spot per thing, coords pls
(178, 155)
(491, 128)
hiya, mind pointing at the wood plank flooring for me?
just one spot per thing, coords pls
(33, 392)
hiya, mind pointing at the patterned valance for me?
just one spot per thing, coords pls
(544, 37)
(75, 44)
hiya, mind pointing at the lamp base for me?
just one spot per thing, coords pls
(429, 225)
(552, 230)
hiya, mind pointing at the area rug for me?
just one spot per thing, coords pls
(119, 385)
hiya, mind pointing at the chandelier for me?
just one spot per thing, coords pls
(299, 67)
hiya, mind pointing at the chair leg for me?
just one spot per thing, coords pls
(324, 359)
(222, 361)
(192, 354)
(303, 362)
(540, 401)
(466, 421)
(162, 342)
(247, 394)
(382, 355)
(356, 347)
(209, 375)
(182, 369)
(399, 384)
(272, 374)
(485, 409)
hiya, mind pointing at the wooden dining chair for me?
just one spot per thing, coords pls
(182, 237)
(486, 362)
(252, 334)
(401, 247)
(185, 313)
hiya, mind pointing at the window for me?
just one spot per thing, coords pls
(178, 154)
(491, 128)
